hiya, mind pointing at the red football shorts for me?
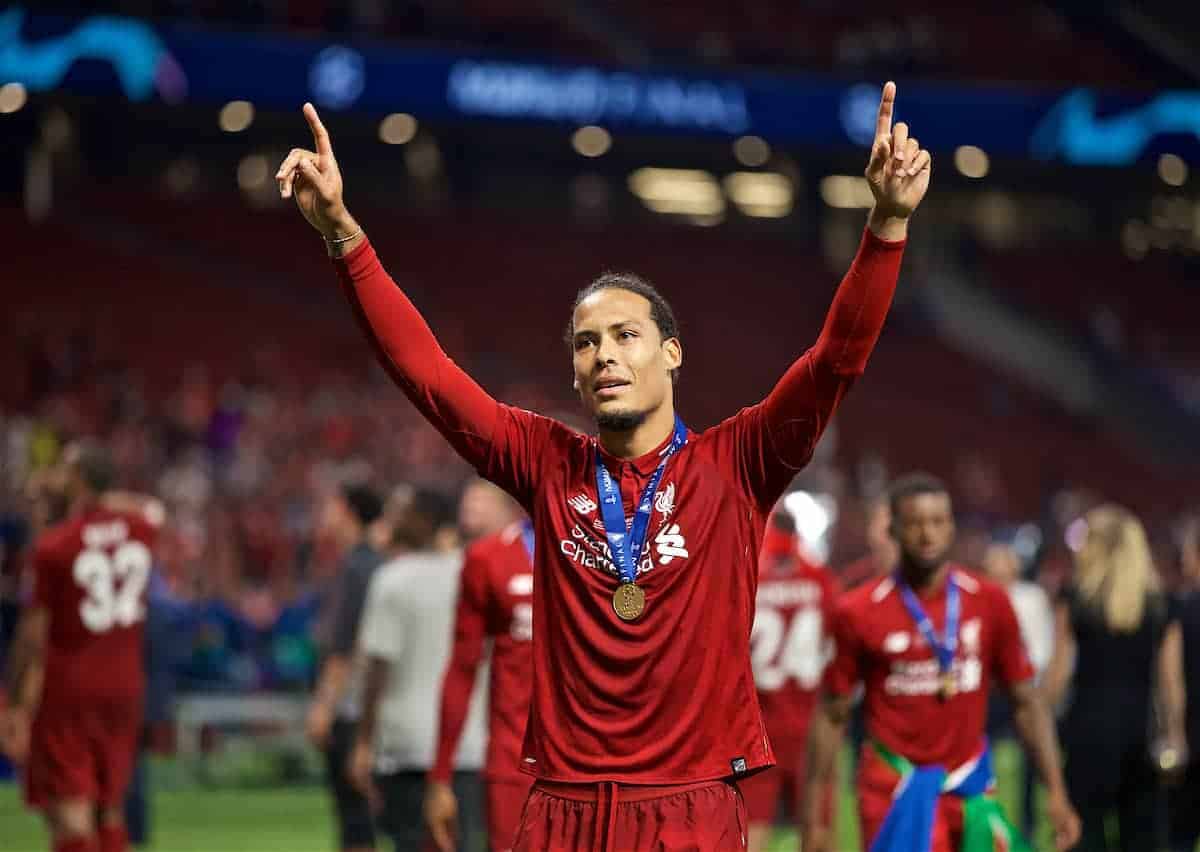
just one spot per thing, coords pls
(608, 817)
(876, 784)
(84, 750)
(505, 801)
(786, 777)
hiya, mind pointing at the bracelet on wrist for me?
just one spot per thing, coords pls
(337, 241)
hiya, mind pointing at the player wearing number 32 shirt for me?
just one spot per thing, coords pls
(643, 711)
(88, 614)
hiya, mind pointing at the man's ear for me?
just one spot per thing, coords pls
(673, 352)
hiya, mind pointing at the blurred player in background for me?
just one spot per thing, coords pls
(643, 710)
(484, 510)
(789, 647)
(81, 637)
(347, 515)
(882, 553)
(927, 642)
(406, 638)
(494, 601)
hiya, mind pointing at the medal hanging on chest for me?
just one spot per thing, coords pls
(945, 647)
(626, 543)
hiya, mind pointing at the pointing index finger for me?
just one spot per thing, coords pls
(320, 134)
(883, 124)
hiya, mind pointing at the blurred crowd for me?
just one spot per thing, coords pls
(246, 467)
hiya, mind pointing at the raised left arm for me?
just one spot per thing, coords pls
(797, 410)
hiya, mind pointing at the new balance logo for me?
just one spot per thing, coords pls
(582, 504)
(671, 544)
(664, 501)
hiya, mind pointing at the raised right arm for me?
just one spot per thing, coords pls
(461, 410)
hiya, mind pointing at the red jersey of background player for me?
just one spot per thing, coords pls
(633, 701)
(789, 644)
(878, 643)
(495, 600)
(91, 573)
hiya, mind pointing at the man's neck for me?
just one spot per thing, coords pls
(923, 582)
(648, 436)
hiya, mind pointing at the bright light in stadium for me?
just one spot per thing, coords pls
(686, 191)
(236, 116)
(423, 158)
(752, 151)
(398, 128)
(763, 194)
(1172, 169)
(591, 141)
(12, 97)
(252, 172)
(846, 192)
(971, 161)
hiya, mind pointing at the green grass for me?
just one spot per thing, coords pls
(300, 819)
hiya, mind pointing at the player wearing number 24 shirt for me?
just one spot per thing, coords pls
(789, 647)
(83, 632)
(643, 710)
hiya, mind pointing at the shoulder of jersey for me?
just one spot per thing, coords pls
(868, 594)
(973, 583)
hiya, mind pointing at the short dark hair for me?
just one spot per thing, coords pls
(365, 503)
(913, 485)
(418, 524)
(95, 466)
(660, 308)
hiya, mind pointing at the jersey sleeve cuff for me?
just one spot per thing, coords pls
(875, 242)
(359, 261)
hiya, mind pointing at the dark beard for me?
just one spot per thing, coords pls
(621, 421)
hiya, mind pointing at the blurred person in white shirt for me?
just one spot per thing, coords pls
(1002, 564)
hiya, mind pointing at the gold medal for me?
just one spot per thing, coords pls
(948, 687)
(629, 601)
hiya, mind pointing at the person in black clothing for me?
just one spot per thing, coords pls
(1184, 797)
(334, 711)
(1116, 623)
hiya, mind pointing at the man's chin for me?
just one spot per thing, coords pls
(619, 421)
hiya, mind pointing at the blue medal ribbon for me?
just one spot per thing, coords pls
(626, 542)
(527, 537)
(946, 647)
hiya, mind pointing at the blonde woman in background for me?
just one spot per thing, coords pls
(1115, 625)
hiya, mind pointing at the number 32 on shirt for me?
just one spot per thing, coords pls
(113, 583)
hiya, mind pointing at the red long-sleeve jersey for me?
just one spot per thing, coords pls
(494, 600)
(669, 697)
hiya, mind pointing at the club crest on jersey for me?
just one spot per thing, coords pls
(671, 544)
(664, 501)
(582, 504)
(896, 643)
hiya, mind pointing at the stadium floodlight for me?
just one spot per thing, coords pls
(692, 192)
(236, 116)
(591, 141)
(971, 161)
(1172, 170)
(752, 151)
(399, 128)
(12, 97)
(761, 194)
(846, 192)
(252, 172)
